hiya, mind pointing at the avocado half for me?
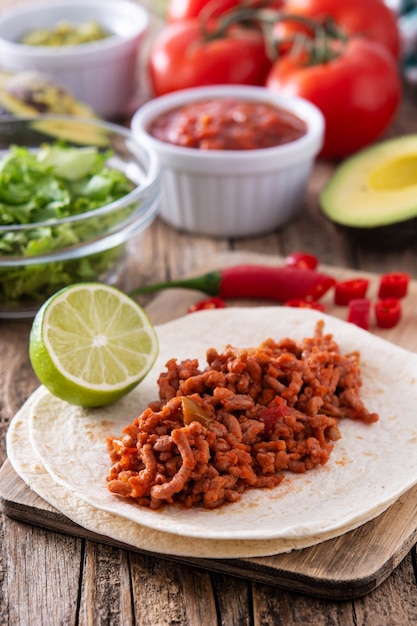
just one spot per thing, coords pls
(372, 195)
(32, 93)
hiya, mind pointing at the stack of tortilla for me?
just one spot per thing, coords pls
(60, 450)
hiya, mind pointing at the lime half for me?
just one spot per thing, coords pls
(90, 344)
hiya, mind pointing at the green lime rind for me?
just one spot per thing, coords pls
(90, 344)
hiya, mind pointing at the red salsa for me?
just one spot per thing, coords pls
(228, 124)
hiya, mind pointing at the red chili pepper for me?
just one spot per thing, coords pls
(359, 312)
(253, 281)
(302, 260)
(347, 290)
(388, 312)
(305, 304)
(207, 303)
(393, 285)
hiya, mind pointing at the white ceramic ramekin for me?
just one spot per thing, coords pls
(102, 73)
(232, 193)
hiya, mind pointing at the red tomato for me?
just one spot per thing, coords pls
(186, 9)
(358, 92)
(178, 10)
(180, 58)
(369, 18)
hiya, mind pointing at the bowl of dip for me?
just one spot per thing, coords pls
(91, 47)
(234, 160)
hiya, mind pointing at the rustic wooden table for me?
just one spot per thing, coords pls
(52, 578)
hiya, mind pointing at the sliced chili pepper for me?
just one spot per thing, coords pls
(253, 281)
(359, 312)
(207, 303)
(393, 285)
(305, 304)
(302, 260)
(387, 312)
(347, 290)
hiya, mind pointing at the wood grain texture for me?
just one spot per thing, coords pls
(346, 567)
(160, 259)
(56, 580)
(165, 254)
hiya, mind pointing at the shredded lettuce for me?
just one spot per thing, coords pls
(53, 183)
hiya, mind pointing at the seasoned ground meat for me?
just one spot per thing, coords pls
(251, 415)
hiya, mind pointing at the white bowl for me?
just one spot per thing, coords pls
(103, 73)
(232, 193)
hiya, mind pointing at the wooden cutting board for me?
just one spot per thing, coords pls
(343, 568)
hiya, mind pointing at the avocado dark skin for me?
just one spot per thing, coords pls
(391, 237)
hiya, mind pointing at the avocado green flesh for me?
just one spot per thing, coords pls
(72, 131)
(67, 106)
(33, 93)
(376, 187)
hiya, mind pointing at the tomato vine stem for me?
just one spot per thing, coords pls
(322, 42)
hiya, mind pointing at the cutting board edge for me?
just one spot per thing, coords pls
(45, 516)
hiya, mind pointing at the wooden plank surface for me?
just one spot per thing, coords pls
(342, 568)
(147, 590)
(52, 579)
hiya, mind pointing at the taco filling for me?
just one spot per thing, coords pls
(241, 422)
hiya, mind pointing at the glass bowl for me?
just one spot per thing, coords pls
(232, 193)
(37, 259)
